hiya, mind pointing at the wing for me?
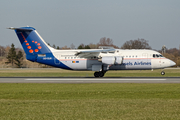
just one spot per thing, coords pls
(92, 53)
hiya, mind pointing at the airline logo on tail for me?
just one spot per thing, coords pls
(29, 46)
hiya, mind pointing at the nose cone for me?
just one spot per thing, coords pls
(172, 63)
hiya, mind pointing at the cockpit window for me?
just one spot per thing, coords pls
(157, 55)
(161, 55)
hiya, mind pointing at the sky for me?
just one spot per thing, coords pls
(63, 22)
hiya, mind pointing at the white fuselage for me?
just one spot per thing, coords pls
(132, 59)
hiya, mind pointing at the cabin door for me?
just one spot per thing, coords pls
(145, 57)
(160, 61)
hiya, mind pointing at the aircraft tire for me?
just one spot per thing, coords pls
(96, 74)
(162, 73)
(101, 74)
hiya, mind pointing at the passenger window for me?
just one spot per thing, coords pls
(65, 57)
(154, 55)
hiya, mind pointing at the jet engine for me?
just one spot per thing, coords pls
(112, 60)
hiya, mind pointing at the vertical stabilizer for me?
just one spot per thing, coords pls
(36, 49)
(31, 41)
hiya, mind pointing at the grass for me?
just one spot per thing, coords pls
(68, 73)
(108, 101)
(90, 101)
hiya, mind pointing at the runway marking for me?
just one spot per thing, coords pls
(71, 79)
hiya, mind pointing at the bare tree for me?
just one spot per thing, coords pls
(2, 51)
(65, 48)
(72, 46)
(136, 44)
(173, 51)
(93, 46)
(105, 42)
(109, 41)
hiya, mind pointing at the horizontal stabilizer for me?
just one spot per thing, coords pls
(24, 28)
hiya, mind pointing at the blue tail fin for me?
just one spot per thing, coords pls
(31, 41)
(36, 48)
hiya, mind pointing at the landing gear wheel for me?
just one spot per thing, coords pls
(96, 74)
(162, 73)
(101, 74)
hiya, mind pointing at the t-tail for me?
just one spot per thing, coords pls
(32, 42)
(36, 49)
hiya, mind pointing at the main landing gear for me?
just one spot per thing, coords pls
(99, 74)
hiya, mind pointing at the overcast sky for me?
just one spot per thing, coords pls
(63, 22)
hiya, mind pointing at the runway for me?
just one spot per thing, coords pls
(90, 80)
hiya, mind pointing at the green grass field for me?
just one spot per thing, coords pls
(68, 73)
(89, 101)
(107, 101)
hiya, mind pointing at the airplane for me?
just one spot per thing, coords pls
(98, 60)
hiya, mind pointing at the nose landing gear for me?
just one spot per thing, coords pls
(162, 73)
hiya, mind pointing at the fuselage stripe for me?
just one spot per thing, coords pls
(124, 59)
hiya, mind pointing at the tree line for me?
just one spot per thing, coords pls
(15, 56)
(132, 44)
